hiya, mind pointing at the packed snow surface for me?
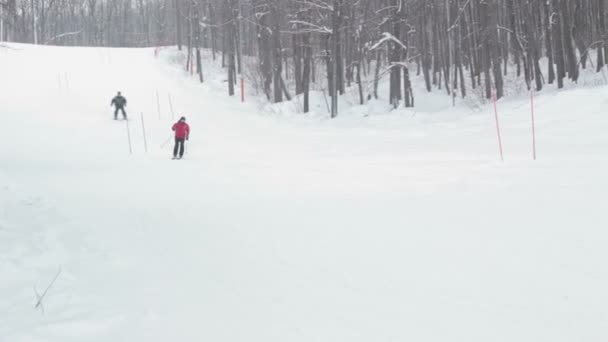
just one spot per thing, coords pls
(375, 226)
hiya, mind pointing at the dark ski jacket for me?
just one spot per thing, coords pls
(119, 101)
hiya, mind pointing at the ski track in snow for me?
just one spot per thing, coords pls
(385, 228)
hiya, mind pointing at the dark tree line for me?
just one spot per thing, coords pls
(295, 46)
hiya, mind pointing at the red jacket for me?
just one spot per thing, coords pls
(182, 130)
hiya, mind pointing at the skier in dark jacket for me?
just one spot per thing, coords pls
(182, 133)
(119, 102)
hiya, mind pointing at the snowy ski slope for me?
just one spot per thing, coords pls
(396, 227)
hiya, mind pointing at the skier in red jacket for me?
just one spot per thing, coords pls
(182, 133)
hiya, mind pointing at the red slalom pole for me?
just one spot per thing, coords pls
(242, 89)
(497, 124)
(533, 123)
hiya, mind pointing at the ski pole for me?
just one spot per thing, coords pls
(185, 148)
(166, 141)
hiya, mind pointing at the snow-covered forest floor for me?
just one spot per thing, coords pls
(374, 227)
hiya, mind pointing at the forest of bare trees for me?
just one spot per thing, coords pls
(455, 46)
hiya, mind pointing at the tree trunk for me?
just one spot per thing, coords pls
(178, 24)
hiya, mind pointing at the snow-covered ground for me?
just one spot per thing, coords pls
(393, 227)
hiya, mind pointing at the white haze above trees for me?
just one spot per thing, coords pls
(457, 46)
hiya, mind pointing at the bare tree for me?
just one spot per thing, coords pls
(300, 46)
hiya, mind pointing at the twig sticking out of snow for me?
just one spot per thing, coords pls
(39, 297)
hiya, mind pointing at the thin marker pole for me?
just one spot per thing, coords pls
(533, 124)
(242, 89)
(129, 137)
(171, 106)
(143, 127)
(497, 125)
(158, 104)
